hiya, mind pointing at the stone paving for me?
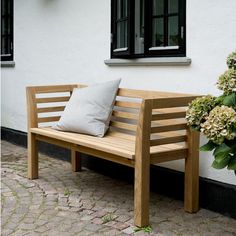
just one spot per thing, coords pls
(63, 203)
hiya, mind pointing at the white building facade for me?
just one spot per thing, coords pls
(63, 42)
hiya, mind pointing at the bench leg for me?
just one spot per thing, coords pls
(191, 187)
(141, 193)
(75, 161)
(32, 156)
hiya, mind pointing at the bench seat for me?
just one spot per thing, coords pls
(115, 143)
(110, 143)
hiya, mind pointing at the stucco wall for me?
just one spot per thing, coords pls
(58, 42)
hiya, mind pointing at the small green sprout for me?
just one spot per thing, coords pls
(67, 193)
(107, 218)
(146, 229)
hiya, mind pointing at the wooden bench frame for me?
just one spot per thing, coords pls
(153, 106)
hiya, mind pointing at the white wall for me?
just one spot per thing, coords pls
(58, 42)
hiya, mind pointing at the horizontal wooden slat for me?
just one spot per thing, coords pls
(123, 114)
(57, 142)
(53, 88)
(48, 119)
(172, 102)
(89, 151)
(122, 135)
(115, 142)
(50, 109)
(171, 115)
(52, 99)
(134, 93)
(169, 127)
(135, 105)
(122, 125)
(106, 156)
(164, 156)
(168, 140)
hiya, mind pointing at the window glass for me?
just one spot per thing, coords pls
(173, 6)
(3, 28)
(9, 7)
(6, 30)
(118, 13)
(3, 41)
(173, 27)
(158, 32)
(158, 7)
(139, 26)
(125, 8)
(122, 24)
(122, 34)
(3, 7)
(142, 18)
(122, 8)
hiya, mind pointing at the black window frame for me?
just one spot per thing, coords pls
(129, 53)
(130, 20)
(9, 16)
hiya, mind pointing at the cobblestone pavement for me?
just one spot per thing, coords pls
(64, 203)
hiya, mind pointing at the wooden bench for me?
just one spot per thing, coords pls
(147, 127)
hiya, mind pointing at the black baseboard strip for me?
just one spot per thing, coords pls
(20, 138)
(214, 195)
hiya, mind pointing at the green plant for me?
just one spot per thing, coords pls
(231, 60)
(107, 218)
(146, 229)
(215, 117)
(227, 81)
(67, 193)
(198, 110)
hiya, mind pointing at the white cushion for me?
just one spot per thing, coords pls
(89, 109)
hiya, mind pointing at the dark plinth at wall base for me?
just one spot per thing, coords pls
(20, 138)
(219, 197)
(214, 195)
(14, 136)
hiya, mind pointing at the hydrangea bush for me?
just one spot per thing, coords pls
(215, 117)
(198, 110)
(220, 124)
(231, 60)
(227, 81)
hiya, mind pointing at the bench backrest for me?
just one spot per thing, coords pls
(161, 122)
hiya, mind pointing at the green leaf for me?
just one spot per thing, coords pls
(220, 99)
(232, 163)
(147, 229)
(222, 149)
(221, 156)
(208, 146)
(222, 164)
(230, 100)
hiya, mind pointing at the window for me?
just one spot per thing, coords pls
(6, 30)
(148, 28)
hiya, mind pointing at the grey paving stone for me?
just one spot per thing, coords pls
(41, 229)
(129, 230)
(123, 218)
(26, 226)
(20, 232)
(6, 232)
(64, 203)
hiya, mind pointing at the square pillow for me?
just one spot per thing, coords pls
(89, 109)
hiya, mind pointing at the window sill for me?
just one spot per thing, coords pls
(7, 64)
(161, 61)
